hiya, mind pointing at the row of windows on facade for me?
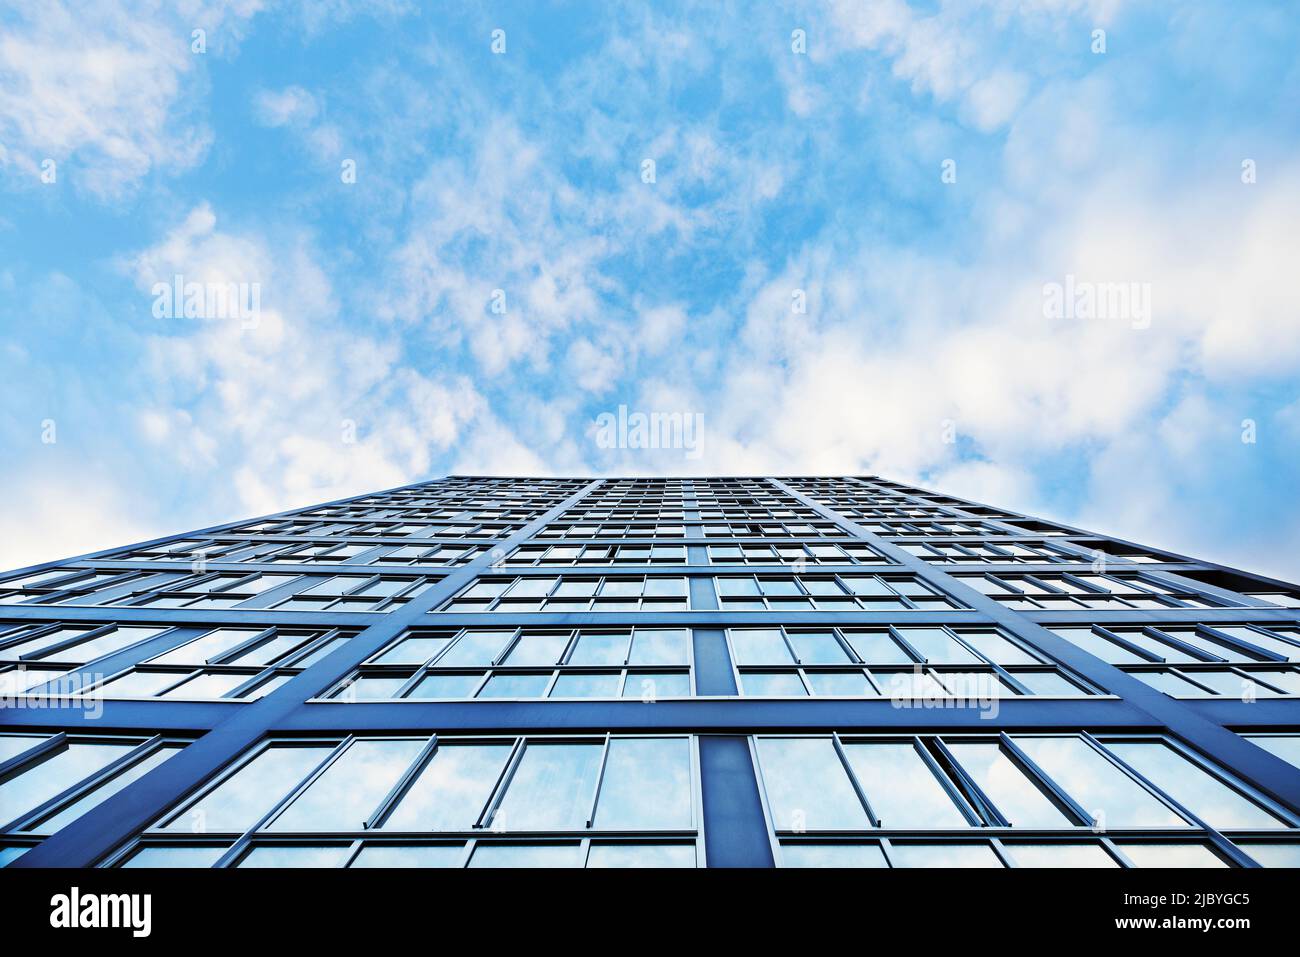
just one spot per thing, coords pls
(1051, 591)
(236, 549)
(842, 592)
(378, 592)
(1137, 800)
(969, 662)
(186, 662)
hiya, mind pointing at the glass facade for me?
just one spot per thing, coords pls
(510, 672)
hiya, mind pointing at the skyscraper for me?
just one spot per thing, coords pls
(486, 671)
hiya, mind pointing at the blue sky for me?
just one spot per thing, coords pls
(925, 352)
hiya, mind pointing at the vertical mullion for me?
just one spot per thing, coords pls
(853, 779)
(600, 779)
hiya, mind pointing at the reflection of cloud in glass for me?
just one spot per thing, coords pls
(646, 784)
(450, 792)
(1099, 787)
(807, 786)
(1209, 799)
(350, 790)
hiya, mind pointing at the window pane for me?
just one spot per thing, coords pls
(1230, 684)
(12, 745)
(1104, 791)
(20, 680)
(937, 646)
(660, 647)
(1060, 855)
(807, 786)
(641, 855)
(1189, 636)
(205, 648)
(527, 855)
(818, 648)
(1094, 644)
(1194, 788)
(449, 794)
(438, 685)
(242, 799)
(371, 688)
(269, 651)
(344, 797)
(1273, 855)
(104, 791)
(475, 648)
(140, 684)
(320, 652)
(175, 855)
(412, 651)
(998, 649)
(975, 686)
(1047, 683)
(772, 684)
(760, 647)
(551, 789)
(57, 772)
(1285, 746)
(290, 856)
(1014, 794)
(586, 686)
(901, 788)
(11, 853)
(841, 683)
(877, 648)
(737, 586)
(647, 785)
(943, 855)
(656, 587)
(532, 587)
(1171, 855)
(832, 855)
(515, 686)
(208, 686)
(409, 855)
(115, 640)
(622, 588)
(652, 687)
(1285, 679)
(1160, 649)
(908, 684)
(576, 588)
(599, 649)
(779, 586)
(1268, 642)
(537, 649)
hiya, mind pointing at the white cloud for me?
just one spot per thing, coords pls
(300, 408)
(292, 105)
(106, 90)
(660, 328)
(64, 514)
(941, 55)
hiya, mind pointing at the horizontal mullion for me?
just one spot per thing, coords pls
(280, 568)
(1068, 835)
(100, 716)
(1152, 616)
(1045, 567)
(668, 570)
(703, 618)
(717, 715)
(712, 715)
(141, 614)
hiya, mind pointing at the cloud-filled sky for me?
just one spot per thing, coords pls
(832, 231)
